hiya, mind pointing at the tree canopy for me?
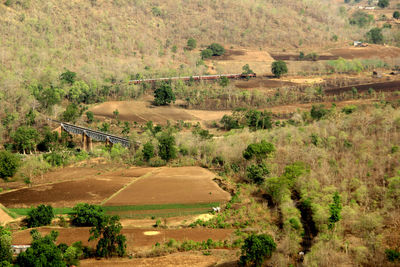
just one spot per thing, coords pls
(164, 95)
(256, 249)
(279, 68)
(84, 214)
(9, 164)
(111, 242)
(42, 215)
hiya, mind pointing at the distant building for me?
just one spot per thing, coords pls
(17, 249)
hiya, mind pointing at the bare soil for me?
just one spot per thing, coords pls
(295, 57)
(183, 259)
(64, 194)
(4, 217)
(136, 238)
(171, 186)
(141, 112)
(378, 87)
(371, 51)
(262, 82)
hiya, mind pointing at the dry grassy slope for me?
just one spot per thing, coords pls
(97, 37)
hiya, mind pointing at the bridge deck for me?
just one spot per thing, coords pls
(96, 135)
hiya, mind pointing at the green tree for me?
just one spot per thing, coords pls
(166, 146)
(43, 252)
(383, 3)
(148, 151)
(47, 97)
(164, 95)
(30, 117)
(49, 141)
(257, 172)
(217, 49)
(256, 249)
(206, 53)
(258, 120)
(111, 241)
(396, 14)
(5, 245)
(72, 254)
(68, 77)
(191, 44)
(126, 129)
(334, 210)
(25, 139)
(71, 113)
(78, 91)
(279, 68)
(258, 150)
(9, 164)
(90, 116)
(42, 215)
(229, 122)
(318, 112)
(223, 81)
(84, 214)
(375, 36)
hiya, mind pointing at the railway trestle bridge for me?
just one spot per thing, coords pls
(88, 135)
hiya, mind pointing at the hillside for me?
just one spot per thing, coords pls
(101, 38)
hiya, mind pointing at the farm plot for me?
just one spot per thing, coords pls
(64, 194)
(172, 185)
(137, 238)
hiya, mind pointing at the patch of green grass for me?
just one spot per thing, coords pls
(163, 215)
(10, 213)
(58, 211)
(160, 207)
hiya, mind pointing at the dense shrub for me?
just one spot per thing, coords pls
(318, 112)
(279, 68)
(84, 214)
(25, 139)
(256, 173)
(361, 19)
(206, 53)
(396, 14)
(217, 49)
(5, 245)
(383, 3)
(43, 252)
(42, 215)
(191, 44)
(164, 95)
(256, 249)
(258, 150)
(166, 146)
(375, 36)
(9, 164)
(148, 151)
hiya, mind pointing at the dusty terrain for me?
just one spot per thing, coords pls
(64, 194)
(4, 217)
(137, 239)
(171, 186)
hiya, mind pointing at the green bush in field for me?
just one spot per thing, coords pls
(217, 49)
(191, 44)
(166, 146)
(383, 3)
(396, 14)
(256, 249)
(375, 36)
(257, 172)
(335, 209)
(42, 215)
(84, 214)
(9, 164)
(43, 251)
(148, 151)
(279, 68)
(206, 53)
(258, 150)
(164, 95)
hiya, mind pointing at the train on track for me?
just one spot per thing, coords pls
(196, 78)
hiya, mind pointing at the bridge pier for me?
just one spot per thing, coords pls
(87, 143)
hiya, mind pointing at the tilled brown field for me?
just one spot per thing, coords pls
(170, 186)
(379, 87)
(64, 194)
(137, 239)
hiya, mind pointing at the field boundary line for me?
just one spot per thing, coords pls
(128, 184)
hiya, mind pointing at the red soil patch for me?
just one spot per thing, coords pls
(384, 86)
(186, 259)
(261, 82)
(171, 186)
(66, 193)
(136, 239)
(141, 112)
(297, 58)
(371, 51)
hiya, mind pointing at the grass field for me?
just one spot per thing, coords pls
(131, 211)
